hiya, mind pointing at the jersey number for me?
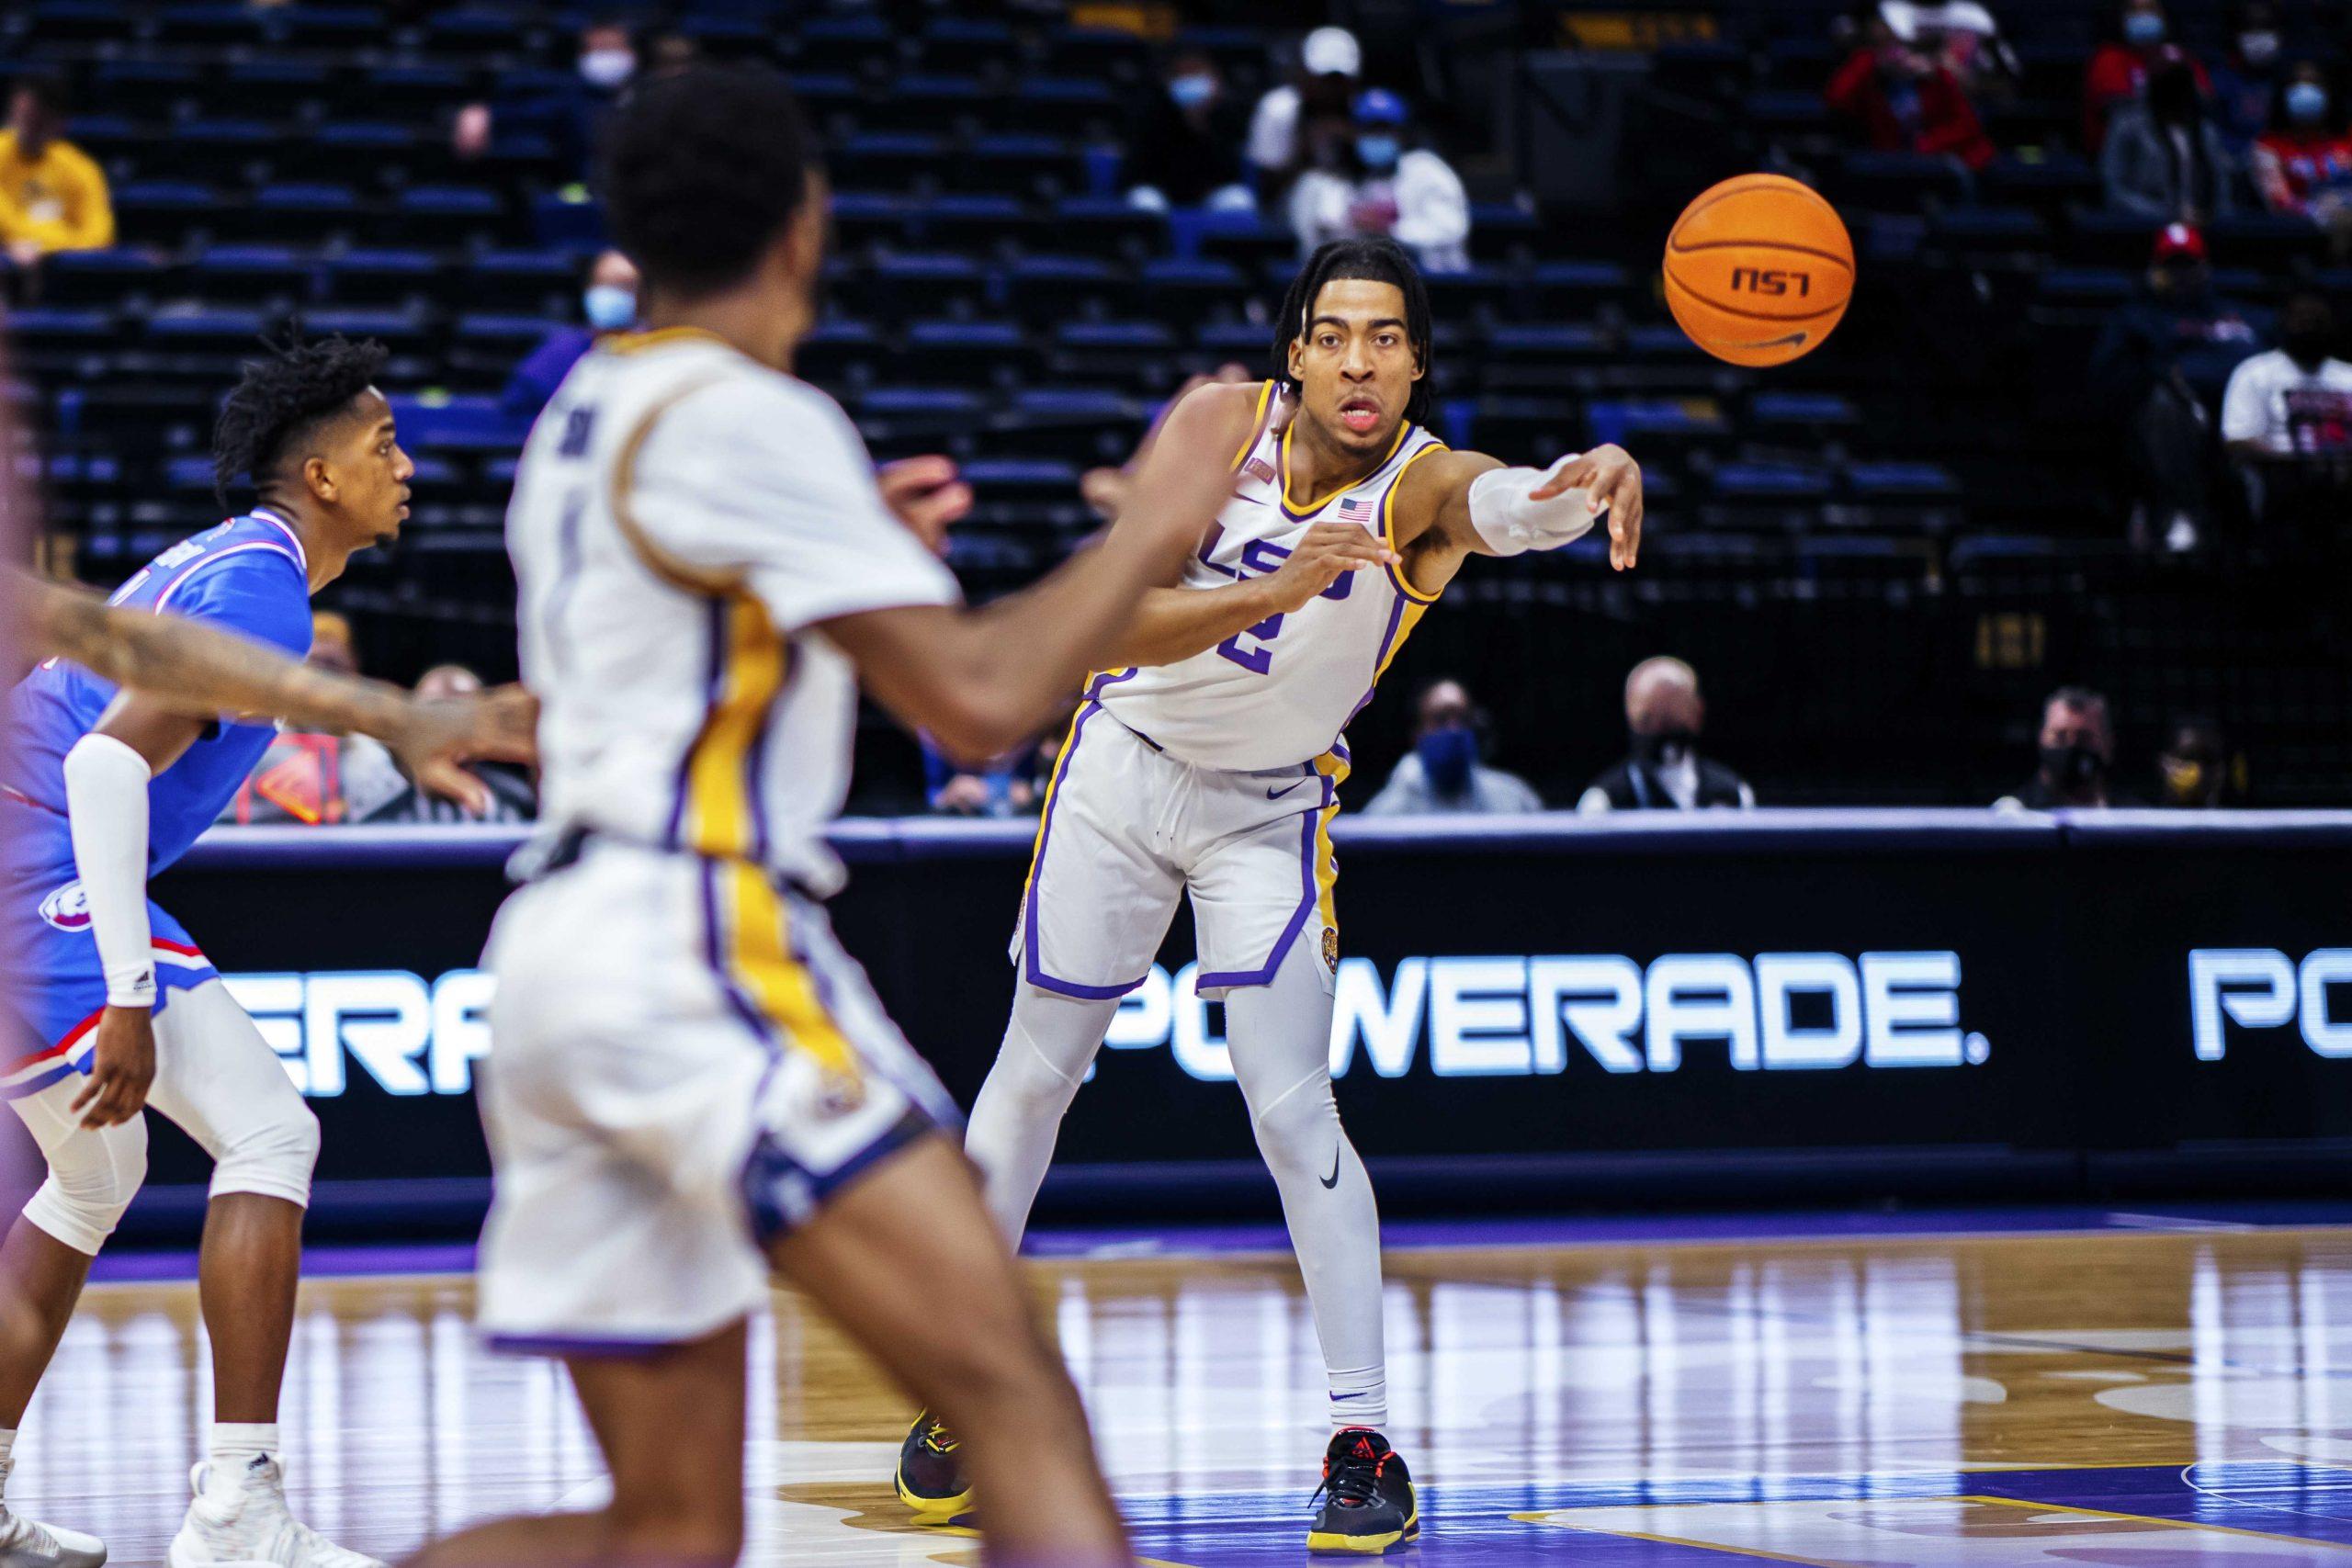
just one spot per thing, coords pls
(1258, 559)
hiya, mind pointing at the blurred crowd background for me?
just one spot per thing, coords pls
(2060, 517)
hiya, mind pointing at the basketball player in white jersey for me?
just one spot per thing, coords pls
(1210, 764)
(690, 1082)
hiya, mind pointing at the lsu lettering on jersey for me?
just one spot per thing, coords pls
(683, 518)
(1283, 692)
(247, 576)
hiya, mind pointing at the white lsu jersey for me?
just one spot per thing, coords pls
(682, 517)
(1282, 693)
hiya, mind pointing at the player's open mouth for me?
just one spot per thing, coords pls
(1361, 415)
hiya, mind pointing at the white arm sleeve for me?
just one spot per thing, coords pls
(1512, 524)
(106, 810)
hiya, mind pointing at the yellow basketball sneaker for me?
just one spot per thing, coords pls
(1368, 1501)
(930, 1481)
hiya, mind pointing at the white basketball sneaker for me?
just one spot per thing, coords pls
(243, 1519)
(25, 1543)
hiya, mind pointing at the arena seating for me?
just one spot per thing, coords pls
(1876, 506)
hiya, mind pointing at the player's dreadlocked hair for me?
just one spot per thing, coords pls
(1379, 260)
(284, 398)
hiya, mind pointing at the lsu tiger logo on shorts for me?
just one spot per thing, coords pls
(67, 908)
(1331, 948)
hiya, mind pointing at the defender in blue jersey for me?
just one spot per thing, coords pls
(112, 1005)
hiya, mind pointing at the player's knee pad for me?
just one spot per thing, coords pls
(1295, 1130)
(274, 1158)
(92, 1177)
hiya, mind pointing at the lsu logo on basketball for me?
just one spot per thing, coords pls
(1774, 281)
(67, 908)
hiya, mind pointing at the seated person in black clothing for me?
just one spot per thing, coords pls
(2077, 753)
(1184, 142)
(1665, 772)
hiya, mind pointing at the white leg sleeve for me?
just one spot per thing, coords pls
(1047, 1045)
(221, 1084)
(93, 1173)
(1281, 1039)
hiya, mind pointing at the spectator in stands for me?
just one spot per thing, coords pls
(1184, 142)
(1375, 184)
(2077, 751)
(512, 798)
(2303, 165)
(2295, 400)
(2247, 81)
(1664, 772)
(2140, 374)
(607, 304)
(1960, 34)
(1010, 786)
(2118, 70)
(319, 779)
(570, 115)
(1442, 772)
(1902, 99)
(2163, 159)
(1323, 84)
(52, 195)
(2194, 769)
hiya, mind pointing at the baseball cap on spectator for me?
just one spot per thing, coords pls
(1331, 51)
(1378, 105)
(2178, 239)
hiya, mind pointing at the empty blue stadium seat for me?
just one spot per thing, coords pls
(945, 402)
(203, 323)
(491, 326)
(1076, 403)
(1026, 473)
(307, 196)
(2005, 225)
(471, 422)
(1056, 269)
(916, 267)
(465, 201)
(51, 323)
(1889, 480)
(393, 326)
(964, 335)
(188, 473)
(1660, 341)
(226, 132)
(368, 136)
(1540, 340)
(2088, 286)
(1802, 408)
(1619, 419)
(1147, 336)
(1240, 340)
(164, 194)
(1771, 480)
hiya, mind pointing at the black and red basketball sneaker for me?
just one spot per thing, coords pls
(1368, 1502)
(930, 1481)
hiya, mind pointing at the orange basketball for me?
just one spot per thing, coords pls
(1758, 270)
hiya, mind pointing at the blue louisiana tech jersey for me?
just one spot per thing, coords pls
(246, 576)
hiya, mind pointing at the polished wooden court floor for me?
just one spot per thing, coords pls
(2108, 1397)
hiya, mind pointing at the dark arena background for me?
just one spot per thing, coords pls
(1845, 1169)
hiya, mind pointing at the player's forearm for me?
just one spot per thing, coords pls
(106, 810)
(1173, 623)
(198, 670)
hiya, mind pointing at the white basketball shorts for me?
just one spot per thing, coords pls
(1128, 829)
(684, 1065)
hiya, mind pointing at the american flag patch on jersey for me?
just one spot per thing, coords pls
(1259, 469)
(1356, 509)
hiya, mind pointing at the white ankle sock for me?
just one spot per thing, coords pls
(236, 1444)
(1360, 1399)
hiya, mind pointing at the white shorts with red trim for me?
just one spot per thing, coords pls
(56, 988)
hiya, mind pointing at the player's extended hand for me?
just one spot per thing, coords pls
(121, 1066)
(927, 497)
(1610, 480)
(438, 737)
(1329, 550)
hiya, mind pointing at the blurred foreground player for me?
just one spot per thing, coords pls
(114, 1007)
(690, 1081)
(1211, 765)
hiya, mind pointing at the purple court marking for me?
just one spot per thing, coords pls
(1569, 1230)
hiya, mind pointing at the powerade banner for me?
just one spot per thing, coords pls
(2039, 1002)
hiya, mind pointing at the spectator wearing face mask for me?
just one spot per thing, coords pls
(2076, 754)
(2247, 80)
(2163, 159)
(1665, 713)
(608, 304)
(1324, 81)
(1184, 142)
(1377, 184)
(1903, 99)
(571, 116)
(1442, 772)
(2303, 165)
(2194, 772)
(2161, 361)
(2118, 70)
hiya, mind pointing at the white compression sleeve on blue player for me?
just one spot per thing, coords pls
(106, 810)
(1511, 524)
